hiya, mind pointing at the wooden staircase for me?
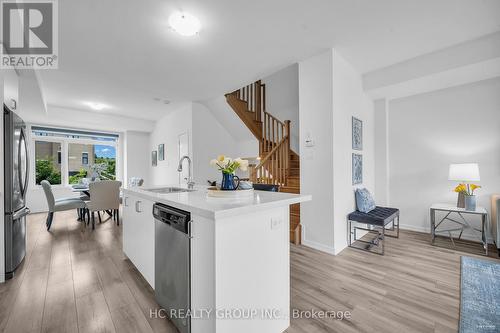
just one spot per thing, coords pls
(278, 164)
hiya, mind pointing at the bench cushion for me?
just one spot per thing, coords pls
(378, 216)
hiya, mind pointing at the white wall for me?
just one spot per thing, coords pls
(282, 99)
(331, 93)
(349, 100)
(247, 144)
(166, 131)
(381, 124)
(228, 119)
(210, 139)
(428, 132)
(136, 156)
(474, 51)
(316, 163)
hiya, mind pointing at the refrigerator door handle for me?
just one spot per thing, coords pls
(21, 213)
(27, 155)
(23, 145)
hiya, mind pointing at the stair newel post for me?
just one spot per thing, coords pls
(287, 157)
(251, 172)
(280, 158)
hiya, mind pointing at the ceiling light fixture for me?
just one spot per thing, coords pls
(96, 106)
(184, 24)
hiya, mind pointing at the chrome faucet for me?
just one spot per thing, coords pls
(190, 182)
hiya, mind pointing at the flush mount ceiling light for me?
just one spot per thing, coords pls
(184, 24)
(96, 106)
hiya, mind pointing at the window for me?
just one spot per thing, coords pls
(67, 156)
(47, 162)
(85, 158)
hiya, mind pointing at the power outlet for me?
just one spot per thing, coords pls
(275, 223)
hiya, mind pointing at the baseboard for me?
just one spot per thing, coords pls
(318, 246)
(340, 250)
(415, 228)
(315, 245)
(466, 235)
(2, 278)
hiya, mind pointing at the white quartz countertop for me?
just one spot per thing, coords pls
(197, 202)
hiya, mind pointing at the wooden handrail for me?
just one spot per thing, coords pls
(272, 168)
(266, 158)
(274, 118)
(254, 95)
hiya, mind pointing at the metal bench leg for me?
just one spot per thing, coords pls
(398, 227)
(350, 232)
(383, 240)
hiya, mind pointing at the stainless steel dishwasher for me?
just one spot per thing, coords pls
(172, 263)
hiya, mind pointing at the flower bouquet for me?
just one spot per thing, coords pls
(228, 167)
(466, 197)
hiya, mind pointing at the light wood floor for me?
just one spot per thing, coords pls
(76, 280)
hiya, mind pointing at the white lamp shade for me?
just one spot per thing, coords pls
(467, 172)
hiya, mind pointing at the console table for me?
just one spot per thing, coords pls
(461, 223)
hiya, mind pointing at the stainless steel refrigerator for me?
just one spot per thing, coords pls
(16, 171)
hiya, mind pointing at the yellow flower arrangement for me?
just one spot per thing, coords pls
(466, 189)
(229, 165)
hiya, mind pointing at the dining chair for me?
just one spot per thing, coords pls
(266, 187)
(57, 205)
(104, 196)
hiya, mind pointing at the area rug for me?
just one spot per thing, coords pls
(479, 296)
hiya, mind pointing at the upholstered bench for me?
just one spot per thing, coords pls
(379, 218)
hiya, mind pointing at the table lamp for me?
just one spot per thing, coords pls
(463, 173)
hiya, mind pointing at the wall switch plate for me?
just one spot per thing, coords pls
(309, 142)
(275, 223)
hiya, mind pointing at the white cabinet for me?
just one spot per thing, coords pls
(139, 235)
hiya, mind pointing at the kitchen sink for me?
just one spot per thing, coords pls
(165, 190)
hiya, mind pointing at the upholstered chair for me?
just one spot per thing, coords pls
(57, 205)
(104, 196)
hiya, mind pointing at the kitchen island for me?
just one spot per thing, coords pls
(238, 256)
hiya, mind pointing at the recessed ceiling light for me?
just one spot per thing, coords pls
(96, 106)
(184, 24)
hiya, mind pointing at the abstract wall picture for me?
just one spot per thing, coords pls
(154, 159)
(357, 134)
(161, 152)
(357, 169)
